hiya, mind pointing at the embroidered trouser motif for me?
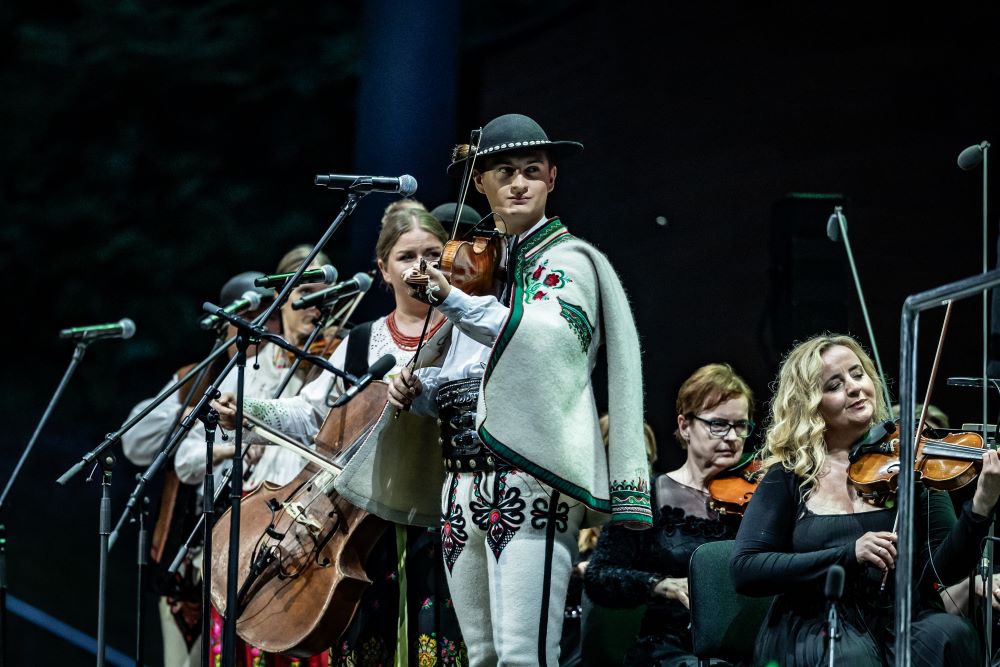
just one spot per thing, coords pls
(508, 543)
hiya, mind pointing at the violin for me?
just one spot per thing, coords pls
(731, 492)
(473, 266)
(946, 463)
(302, 546)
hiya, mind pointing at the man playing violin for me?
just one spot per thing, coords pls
(806, 517)
(524, 462)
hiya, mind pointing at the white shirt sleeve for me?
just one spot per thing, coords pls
(425, 404)
(142, 442)
(479, 317)
(302, 416)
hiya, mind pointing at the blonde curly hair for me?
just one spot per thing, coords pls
(795, 432)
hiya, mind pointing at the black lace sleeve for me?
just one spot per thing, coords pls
(763, 562)
(611, 578)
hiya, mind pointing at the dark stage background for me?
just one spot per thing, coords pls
(152, 152)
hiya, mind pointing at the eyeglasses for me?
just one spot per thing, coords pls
(719, 428)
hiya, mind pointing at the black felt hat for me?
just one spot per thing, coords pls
(445, 214)
(513, 132)
(242, 283)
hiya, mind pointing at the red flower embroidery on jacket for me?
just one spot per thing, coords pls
(539, 295)
(538, 272)
(552, 280)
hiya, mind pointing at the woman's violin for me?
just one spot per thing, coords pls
(946, 463)
(731, 491)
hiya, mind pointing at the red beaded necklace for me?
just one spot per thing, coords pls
(408, 343)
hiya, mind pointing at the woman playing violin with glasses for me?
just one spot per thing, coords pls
(630, 568)
(806, 517)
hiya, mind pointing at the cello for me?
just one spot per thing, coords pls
(303, 547)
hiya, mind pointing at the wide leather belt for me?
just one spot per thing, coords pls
(461, 447)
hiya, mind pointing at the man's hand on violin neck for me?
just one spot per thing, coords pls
(429, 286)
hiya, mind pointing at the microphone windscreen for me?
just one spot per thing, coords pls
(834, 582)
(384, 364)
(128, 327)
(329, 274)
(363, 280)
(240, 284)
(970, 157)
(407, 185)
(833, 228)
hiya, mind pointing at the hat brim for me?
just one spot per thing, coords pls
(557, 149)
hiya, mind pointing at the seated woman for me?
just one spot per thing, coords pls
(630, 568)
(806, 517)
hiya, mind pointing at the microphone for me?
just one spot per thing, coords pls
(834, 583)
(833, 228)
(972, 156)
(249, 301)
(834, 590)
(404, 185)
(123, 328)
(359, 284)
(324, 274)
(376, 371)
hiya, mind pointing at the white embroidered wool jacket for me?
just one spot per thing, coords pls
(536, 407)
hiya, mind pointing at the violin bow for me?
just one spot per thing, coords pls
(474, 139)
(923, 410)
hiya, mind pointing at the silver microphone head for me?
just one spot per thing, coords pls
(833, 228)
(329, 274)
(128, 327)
(363, 280)
(972, 156)
(407, 185)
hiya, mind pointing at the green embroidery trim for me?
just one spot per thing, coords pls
(547, 476)
(630, 501)
(579, 323)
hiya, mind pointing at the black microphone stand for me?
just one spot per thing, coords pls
(143, 536)
(236, 480)
(223, 485)
(833, 591)
(77, 357)
(833, 630)
(178, 429)
(143, 564)
(837, 226)
(112, 438)
(107, 462)
(235, 495)
(211, 420)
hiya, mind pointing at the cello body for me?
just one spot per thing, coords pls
(308, 544)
